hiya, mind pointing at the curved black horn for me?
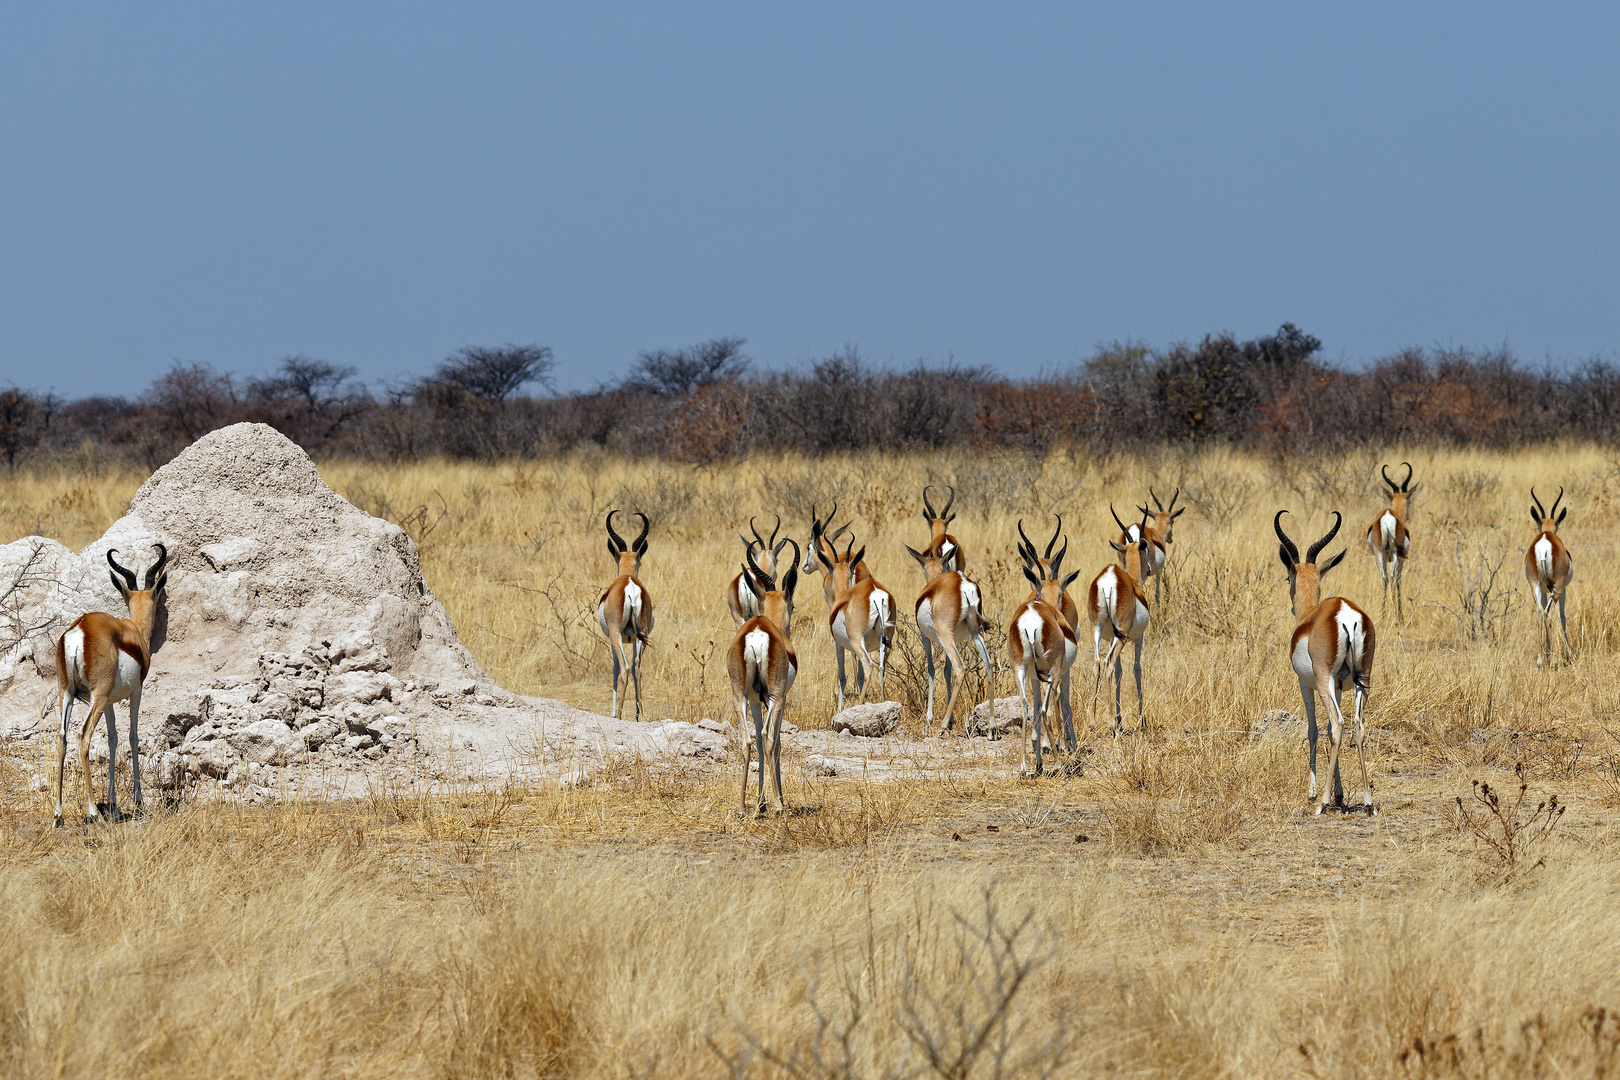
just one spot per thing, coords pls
(1393, 486)
(1173, 499)
(1536, 502)
(1053, 542)
(776, 529)
(1408, 479)
(613, 537)
(157, 567)
(1124, 528)
(640, 542)
(127, 575)
(949, 502)
(1057, 560)
(1156, 501)
(1554, 511)
(790, 580)
(1311, 552)
(928, 507)
(1288, 545)
(1026, 540)
(759, 574)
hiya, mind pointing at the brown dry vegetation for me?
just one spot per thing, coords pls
(945, 923)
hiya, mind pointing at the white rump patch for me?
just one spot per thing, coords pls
(1544, 558)
(1029, 626)
(878, 615)
(757, 647)
(970, 594)
(1386, 529)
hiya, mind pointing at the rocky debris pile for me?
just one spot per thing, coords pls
(868, 721)
(996, 717)
(298, 639)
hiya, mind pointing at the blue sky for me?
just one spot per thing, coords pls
(1005, 184)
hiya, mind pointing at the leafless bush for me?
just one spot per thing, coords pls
(957, 1011)
(1485, 598)
(1505, 837)
(15, 625)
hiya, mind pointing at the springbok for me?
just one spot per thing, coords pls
(1388, 536)
(1118, 610)
(949, 612)
(938, 538)
(762, 666)
(740, 599)
(1047, 568)
(625, 610)
(1332, 644)
(862, 620)
(1040, 649)
(103, 660)
(1160, 535)
(1549, 567)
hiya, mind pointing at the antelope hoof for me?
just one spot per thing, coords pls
(59, 821)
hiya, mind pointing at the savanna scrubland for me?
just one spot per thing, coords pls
(1168, 909)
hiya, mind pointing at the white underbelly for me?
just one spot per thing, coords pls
(1302, 659)
(125, 682)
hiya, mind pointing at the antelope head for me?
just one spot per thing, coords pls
(1305, 576)
(142, 599)
(1547, 520)
(1400, 495)
(938, 520)
(1044, 566)
(1164, 518)
(775, 603)
(627, 556)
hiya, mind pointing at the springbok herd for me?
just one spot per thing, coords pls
(1331, 649)
(103, 660)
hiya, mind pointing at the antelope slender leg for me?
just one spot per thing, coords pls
(1066, 707)
(928, 657)
(98, 702)
(748, 749)
(1141, 703)
(1563, 625)
(1119, 682)
(1041, 701)
(135, 744)
(775, 722)
(635, 672)
(613, 651)
(1327, 689)
(1400, 567)
(112, 761)
(863, 674)
(61, 754)
(883, 656)
(759, 742)
(984, 655)
(1309, 696)
(1361, 750)
(953, 664)
(838, 651)
(1023, 707)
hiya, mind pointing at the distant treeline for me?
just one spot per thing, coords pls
(706, 403)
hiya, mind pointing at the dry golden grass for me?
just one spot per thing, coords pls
(637, 926)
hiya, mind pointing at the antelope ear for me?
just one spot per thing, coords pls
(946, 551)
(163, 583)
(1033, 580)
(822, 555)
(753, 586)
(1178, 513)
(1562, 514)
(1117, 546)
(1535, 517)
(790, 581)
(1287, 560)
(859, 555)
(1414, 490)
(1070, 579)
(915, 554)
(1331, 563)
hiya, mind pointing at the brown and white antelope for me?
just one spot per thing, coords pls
(950, 611)
(1160, 535)
(938, 538)
(1040, 650)
(1118, 610)
(1549, 567)
(103, 660)
(862, 620)
(625, 610)
(740, 599)
(1047, 570)
(1388, 536)
(1332, 644)
(762, 666)
(823, 541)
